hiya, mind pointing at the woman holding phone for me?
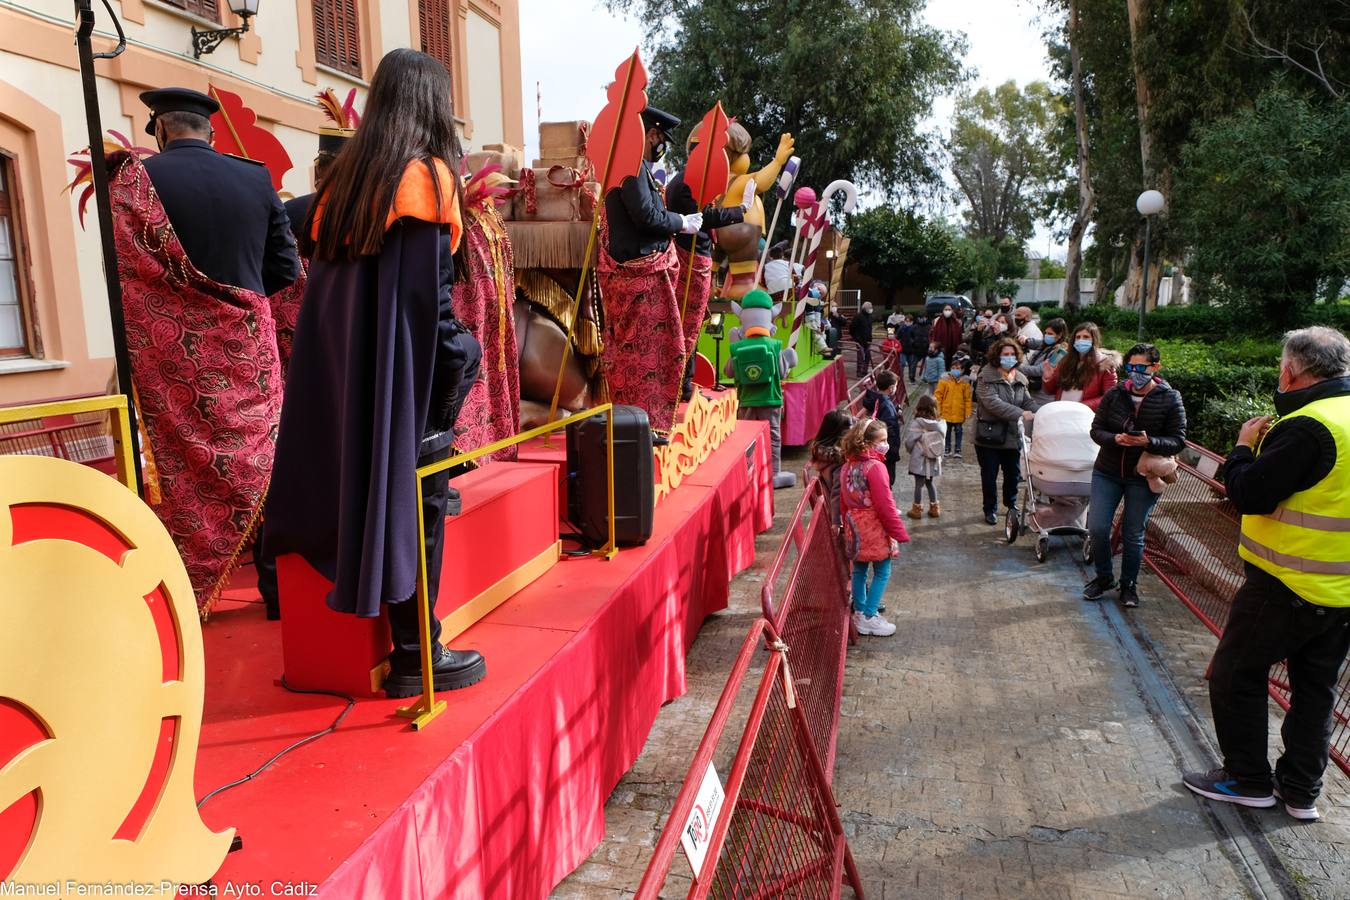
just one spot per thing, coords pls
(1142, 413)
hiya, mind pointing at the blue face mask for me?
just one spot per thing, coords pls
(1007, 362)
(1050, 340)
(955, 373)
(1082, 346)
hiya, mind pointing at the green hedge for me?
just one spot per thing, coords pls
(1207, 322)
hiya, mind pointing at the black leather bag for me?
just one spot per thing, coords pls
(991, 433)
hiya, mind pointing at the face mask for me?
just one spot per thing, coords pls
(1007, 362)
(1082, 346)
(1000, 327)
(659, 151)
(955, 373)
(946, 313)
(932, 353)
(883, 448)
(1049, 339)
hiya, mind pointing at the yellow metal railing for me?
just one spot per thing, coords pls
(121, 430)
(427, 706)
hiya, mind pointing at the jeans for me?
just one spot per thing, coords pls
(913, 361)
(954, 428)
(866, 598)
(992, 459)
(1107, 492)
(920, 482)
(1268, 623)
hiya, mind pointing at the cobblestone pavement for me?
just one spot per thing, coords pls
(1010, 740)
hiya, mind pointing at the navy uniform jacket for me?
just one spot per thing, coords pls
(227, 216)
(680, 199)
(297, 210)
(639, 222)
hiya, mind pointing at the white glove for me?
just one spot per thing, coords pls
(692, 224)
(748, 197)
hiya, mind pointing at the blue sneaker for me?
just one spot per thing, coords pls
(1217, 784)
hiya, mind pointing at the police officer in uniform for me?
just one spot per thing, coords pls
(228, 218)
(331, 142)
(1290, 479)
(223, 208)
(639, 221)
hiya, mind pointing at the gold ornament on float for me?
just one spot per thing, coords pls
(100, 690)
(706, 424)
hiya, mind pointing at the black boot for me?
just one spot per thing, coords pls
(450, 670)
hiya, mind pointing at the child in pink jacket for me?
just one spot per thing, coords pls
(873, 529)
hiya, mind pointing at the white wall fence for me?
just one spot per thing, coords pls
(1051, 290)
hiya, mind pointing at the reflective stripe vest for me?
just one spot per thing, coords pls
(1305, 542)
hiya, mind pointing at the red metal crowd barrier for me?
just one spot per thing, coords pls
(1191, 545)
(811, 613)
(859, 389)
(777, 831)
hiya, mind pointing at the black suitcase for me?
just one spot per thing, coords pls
(634, 478)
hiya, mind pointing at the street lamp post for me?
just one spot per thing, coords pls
(1149, 204)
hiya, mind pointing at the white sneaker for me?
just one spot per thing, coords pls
(874, 625)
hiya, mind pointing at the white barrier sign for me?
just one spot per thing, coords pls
(698, 828)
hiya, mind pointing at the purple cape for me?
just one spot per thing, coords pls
(344, 494)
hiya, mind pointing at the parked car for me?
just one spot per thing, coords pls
(935, 302)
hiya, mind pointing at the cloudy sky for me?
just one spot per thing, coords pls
(1004, 38)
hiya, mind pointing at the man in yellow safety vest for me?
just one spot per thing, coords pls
(1290, 478)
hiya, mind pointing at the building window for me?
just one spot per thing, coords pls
(207, 9)
(15, 296)
(337, 36)
(433, 17)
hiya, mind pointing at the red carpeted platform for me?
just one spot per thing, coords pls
(806, 402)
(504, 794)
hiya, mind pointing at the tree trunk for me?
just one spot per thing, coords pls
(1134, 278)
(1143, 96)
(1073, 263)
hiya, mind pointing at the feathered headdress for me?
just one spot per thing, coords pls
(489, 186)
(84, 169)
(345, 115)
(345, 118)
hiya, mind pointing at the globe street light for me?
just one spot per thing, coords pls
(1149, 204)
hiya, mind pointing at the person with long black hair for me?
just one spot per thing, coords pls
(380, 368)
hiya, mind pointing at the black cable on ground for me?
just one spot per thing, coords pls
(351, 702)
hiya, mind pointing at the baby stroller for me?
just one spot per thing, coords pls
(1057, 463)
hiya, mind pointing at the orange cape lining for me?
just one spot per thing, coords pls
(415, 198)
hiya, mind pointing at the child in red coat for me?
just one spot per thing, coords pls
(873, 529)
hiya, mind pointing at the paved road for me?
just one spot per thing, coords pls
(1009, 741)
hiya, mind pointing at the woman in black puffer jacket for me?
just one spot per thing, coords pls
(1141, 413)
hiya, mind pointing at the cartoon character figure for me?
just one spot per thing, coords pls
(741, 242)
(759, 363)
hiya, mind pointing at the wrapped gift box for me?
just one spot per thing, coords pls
(557, 195)
(509, 162)
(562, 136)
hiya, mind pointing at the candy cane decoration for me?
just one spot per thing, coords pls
(816, 224)
(805, 202)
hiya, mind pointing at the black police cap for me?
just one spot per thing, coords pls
(176, 99)
(660, 120)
